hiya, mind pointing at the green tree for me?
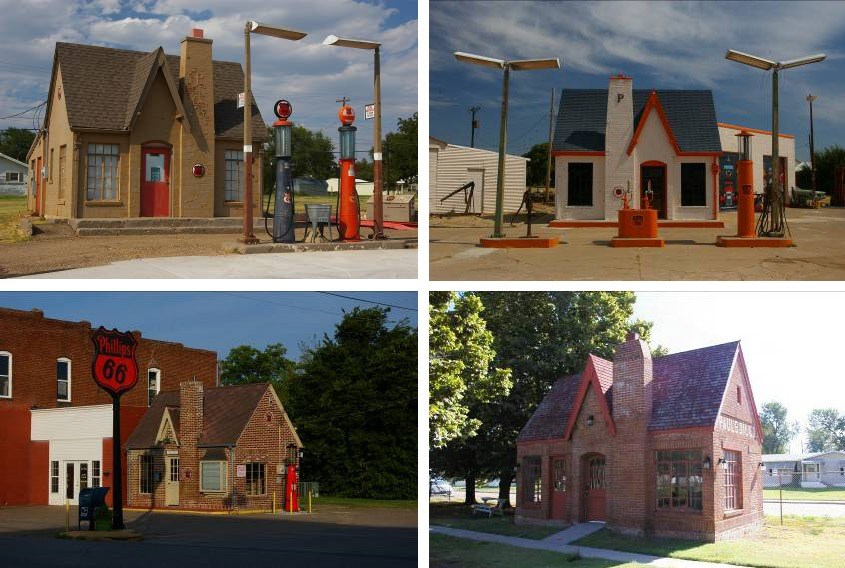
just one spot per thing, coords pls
(400, 152)
(246, 364)
(364, 170)
(354, 404)
(827, 160)
(536, 167)
(826, 430)
(777, 430)
(15, 142)
(313, 156)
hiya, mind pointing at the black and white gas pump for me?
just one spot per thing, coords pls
(283, 221)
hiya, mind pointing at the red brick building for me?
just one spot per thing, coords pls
(212, 448)
(669, 446)
(55, 422)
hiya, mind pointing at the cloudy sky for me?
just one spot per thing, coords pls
(660, 44)
(791, 350)
(217, 321)
(310, 75)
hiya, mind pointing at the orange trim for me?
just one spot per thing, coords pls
(620, 76)
(735, 127)
(576, 153)
(653, 103)
(589, 377)
(653, 163)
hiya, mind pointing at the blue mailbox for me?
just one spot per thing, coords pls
(89, 499)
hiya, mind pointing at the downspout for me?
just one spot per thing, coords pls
(232, 468)
(715, 171)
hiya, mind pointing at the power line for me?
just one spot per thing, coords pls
(369, 301)
(23, 111)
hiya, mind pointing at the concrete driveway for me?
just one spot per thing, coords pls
(390, 264)
(332, 536)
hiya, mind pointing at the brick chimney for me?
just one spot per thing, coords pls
(619, 129)
(196, 84)
(190, 411)
(632, 377)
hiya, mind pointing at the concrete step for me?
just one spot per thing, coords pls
(161, 226)
(574, 533)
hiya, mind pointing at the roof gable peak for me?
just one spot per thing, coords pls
(146, 72)
(589, 377)
(654, 104)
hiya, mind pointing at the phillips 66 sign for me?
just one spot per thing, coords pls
(114, 367)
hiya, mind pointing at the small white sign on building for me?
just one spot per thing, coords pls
(241, 105)
(369, 111)
(241, 471)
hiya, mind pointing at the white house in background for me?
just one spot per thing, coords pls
(761, 155)
(621, 137)
(451, 166)
(13, 176)
(820, 469)
(362, 186)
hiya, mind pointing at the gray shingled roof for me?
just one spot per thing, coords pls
(102, 86)
(582, 117)
(687, 391)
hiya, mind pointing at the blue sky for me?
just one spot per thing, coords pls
(659, 44)
(214, 320)
(310, 75)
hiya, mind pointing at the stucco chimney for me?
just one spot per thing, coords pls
(632, 378)
(619, 129)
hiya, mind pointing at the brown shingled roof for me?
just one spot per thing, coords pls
(103, 87)
(144, 435)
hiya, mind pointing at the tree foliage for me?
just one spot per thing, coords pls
(536, 167)
(15, 142)
(777, 430)
(826, 430)
(827, 160)
(312, 156)
(461, 375)
(354, 404)
(400, 149)
(245, 364)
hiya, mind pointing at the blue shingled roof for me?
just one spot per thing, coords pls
(582, 117)
(687, 390)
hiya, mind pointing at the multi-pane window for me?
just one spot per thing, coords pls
(62, 165)
(54, 477)
(95, 473)
(5, 374)
(234, 160)
(146, 474)
(255, 479)
(559, 474)
(153, 384)
(174, 469)
(596, 479)
(14, 176)
(83, 475)
(580, 189)
(693, 184)
(102, 172)
(212, 476)
(733, 480)
(679, 479)
(532, 480)
(63, 379)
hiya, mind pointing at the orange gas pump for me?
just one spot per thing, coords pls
(348, 216)
(745, 180)
(292, 489)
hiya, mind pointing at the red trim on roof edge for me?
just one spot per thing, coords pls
(588, 377)
(654, 103)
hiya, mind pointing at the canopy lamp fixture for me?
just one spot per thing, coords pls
(590, 421)
(707, 462)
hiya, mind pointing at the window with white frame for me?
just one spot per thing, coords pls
(212, 476)
(234, 160)
(54, 477)
(14, 176)
(5, 374)
(63, 379)
(102, 180)
(96, 474)
(153, 384)
(733, 480)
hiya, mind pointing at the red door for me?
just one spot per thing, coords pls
(596, 488)
(155, 182)
(559, 488)
(38, 182)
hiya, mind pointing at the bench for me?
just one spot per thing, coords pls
(490, 507)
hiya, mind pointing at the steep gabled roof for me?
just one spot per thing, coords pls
(582, 119)
(144, 435)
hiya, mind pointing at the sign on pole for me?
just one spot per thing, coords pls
(115, 369)
(241, 99)
(369, 111)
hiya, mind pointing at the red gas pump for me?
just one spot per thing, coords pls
(292, 489)
(348, 217)
(745, 180)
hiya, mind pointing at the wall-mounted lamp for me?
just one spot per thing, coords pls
(762, 466)
(707, 462)
(722, 463)
(590, 420)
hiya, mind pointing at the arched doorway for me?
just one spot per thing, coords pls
(654, 173)
(155, 180)
(594, 485)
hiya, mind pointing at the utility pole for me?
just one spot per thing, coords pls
(549, 156)
(810, 99)
(473, 125)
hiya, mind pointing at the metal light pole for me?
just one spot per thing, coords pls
(505, 66)
(378, 199)
(474, 125)
(254, 27)
(810, 99)
(773, 218)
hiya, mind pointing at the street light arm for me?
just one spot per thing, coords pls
(529, 64)
(480, 60)
(802, 61)
(275, 31)
(349, 42)
(748, 59)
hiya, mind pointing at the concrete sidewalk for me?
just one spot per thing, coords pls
(584, 551)
(329, 265)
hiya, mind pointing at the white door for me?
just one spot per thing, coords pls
(811, 472)
(477, 175)
(171, 481)
(76, 476)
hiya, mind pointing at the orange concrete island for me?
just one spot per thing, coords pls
(637, 228)
(519, 242)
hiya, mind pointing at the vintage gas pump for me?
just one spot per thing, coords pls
(292, 480)
(349, 216)
(745, 181)
(283, 221)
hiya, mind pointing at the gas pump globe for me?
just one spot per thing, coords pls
(744, 145)
(282, 131)
(349, 217)
(745, 183)
(283, 221)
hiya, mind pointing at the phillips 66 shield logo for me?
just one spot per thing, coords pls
(114, 367)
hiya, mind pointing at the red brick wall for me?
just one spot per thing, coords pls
(14, 445)
(39, 473)
(35, 343)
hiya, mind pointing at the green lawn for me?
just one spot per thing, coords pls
(446, 551)
(459, 516)
(360, 503)
(802, 542)
(825, 494)
(11, 208)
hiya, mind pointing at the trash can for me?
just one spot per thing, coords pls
(89, 499)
